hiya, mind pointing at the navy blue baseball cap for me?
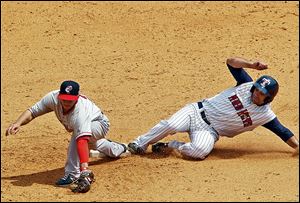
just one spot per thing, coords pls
(69, 90)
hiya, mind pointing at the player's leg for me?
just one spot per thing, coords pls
(110, 148)
(72, 165)
(178, 122)
(103, 145)
(202, 143)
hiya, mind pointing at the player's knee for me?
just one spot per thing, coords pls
(114, 154)
(199, 151)
(105, 129)
(202, 151)
(109, 148)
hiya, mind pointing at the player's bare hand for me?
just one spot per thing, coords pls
(296, 152)
(259, 65)
(12, 129)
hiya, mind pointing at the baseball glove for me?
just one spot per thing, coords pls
(83, 184)
(160, 147)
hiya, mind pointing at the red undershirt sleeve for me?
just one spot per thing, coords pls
(83, 149)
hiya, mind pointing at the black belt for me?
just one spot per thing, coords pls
(200, 105)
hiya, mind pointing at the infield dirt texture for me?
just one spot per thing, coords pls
(140, 62)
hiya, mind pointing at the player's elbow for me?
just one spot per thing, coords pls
(230, 61)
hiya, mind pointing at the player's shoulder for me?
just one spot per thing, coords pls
(84, 100)
(82, 96)
(50, 98)
(246, 85)
(52, 94)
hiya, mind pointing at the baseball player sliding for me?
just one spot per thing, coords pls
(85, 120)
(229, 113)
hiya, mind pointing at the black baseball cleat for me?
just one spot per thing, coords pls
(159, 147)
(135, 149)
(124, 146)
(66, 180)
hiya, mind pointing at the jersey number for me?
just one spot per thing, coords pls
(242, 113)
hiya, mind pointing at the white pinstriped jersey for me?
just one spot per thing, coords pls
(232, 111)
(79, 120)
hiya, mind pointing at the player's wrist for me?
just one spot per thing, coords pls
(84, 166)
(251, 65)
(17, 123)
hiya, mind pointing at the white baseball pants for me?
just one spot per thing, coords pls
(188, 119)
(99, 131)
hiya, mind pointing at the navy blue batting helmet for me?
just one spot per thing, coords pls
(268, 85)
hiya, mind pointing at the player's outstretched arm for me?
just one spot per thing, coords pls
(23, 119)
(284, 133)
(238, 62)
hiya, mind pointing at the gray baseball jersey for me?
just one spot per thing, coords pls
(79, 120)
(86, 119)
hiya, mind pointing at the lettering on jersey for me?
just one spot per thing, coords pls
(235, 101)
(243, 114)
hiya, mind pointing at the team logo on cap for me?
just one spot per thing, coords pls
(68, 89)
(265, 82)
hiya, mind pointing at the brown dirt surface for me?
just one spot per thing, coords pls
(141, 62)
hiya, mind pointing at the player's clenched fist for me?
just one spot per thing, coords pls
(259, 65)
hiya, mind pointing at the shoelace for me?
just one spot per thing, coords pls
(65, 177)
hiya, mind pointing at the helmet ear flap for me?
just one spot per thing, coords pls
(252, 89)
(267, 100)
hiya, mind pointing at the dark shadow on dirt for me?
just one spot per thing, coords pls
(48, 177)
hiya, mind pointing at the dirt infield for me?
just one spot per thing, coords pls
(140, 62)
